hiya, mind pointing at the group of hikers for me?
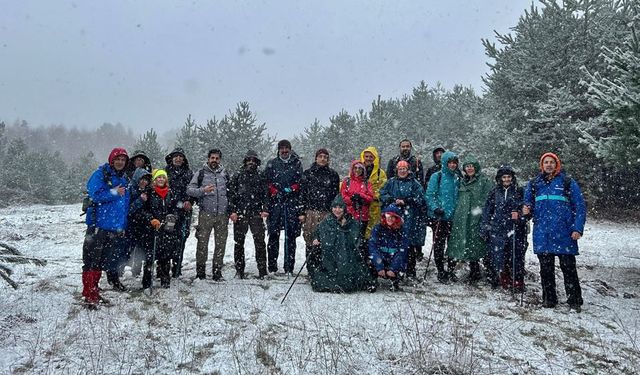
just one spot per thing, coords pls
(371, 225)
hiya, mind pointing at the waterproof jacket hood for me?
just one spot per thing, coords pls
(177, 151)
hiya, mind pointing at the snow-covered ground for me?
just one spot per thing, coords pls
(239, 326)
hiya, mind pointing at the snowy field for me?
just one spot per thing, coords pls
(240, 327)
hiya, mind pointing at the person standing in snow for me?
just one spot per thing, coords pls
(436, 167)
(441, 197)
(559, 214)
(389, 246)
(320, 185)
(139, 159)
(415, 164)
(106, 224)
(138, 229)
(357, 193)
(248, 207)
(180, 175)
(209, 186)
(377, 178)
(465, 243)
(406, 192)
(501, 218)
(164, 219)
(284, 175)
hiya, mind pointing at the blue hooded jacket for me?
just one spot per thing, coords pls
(445, 193)
(555, 216)
(110, 209)
(389, 246)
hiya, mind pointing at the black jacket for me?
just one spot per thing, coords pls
(248, 192)
(320, 185)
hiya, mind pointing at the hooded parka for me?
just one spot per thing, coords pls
(465, 242)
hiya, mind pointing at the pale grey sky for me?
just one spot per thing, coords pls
(150, 63)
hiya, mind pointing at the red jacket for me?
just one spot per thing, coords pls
(357, 185)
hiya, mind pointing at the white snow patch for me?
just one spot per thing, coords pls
(239, 326)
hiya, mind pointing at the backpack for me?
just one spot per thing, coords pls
(201, 178)
(87, 201)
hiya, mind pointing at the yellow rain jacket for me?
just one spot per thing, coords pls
(377, 179)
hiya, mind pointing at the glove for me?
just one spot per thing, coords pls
(288, 190)
(155, 223)
(357, 199)
(439, 212)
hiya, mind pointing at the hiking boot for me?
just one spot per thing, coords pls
(372, 288)
(217, 276)
(549, 304)
(240, 275)
(452, 277)
(201, 276)
(117, 285)
(165, 283)
(505, 280)
(443, 277)
(395, 285)
(419, 256)
(518, 286)
(262, 274)
(103, 300)
(575, 307)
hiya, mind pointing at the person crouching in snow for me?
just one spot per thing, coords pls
(501, 215)
(340, 266)
(164, 211)
(389, 246)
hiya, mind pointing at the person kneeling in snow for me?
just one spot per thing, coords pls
(388, 246)
(164, 213)
(335, 264)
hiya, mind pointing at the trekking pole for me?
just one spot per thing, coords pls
(286, 234)
(294, 281)
(435, 232)
(153, 259)
(183, 239)
(513, 265)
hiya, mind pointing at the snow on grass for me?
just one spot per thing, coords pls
(240, 326)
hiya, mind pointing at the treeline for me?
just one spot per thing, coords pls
(565, 79)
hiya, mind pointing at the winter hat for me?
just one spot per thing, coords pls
(504, 170)
(395, 211)
(176, 151)
(402, 164)
(118, 151)
(159, 172)
(139, 174)
(338, 202)
(558, 164)
(322, 151)
(251, 155)
(284, 143)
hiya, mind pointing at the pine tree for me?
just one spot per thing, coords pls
(311, 139)
(187, 139)
(148, 143)
(342, 137)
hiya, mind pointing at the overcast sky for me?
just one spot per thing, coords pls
(150, 63)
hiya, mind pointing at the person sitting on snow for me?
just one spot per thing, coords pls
(389, 246)
(338, 265)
